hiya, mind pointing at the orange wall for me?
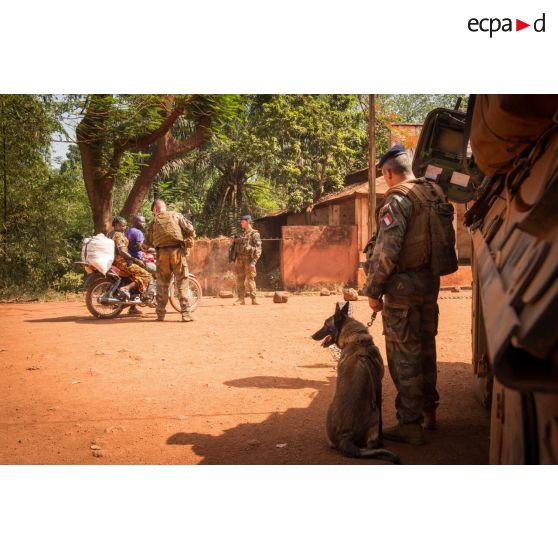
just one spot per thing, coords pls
(209, 262)
(318, 255)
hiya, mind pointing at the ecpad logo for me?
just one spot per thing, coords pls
(494, 24)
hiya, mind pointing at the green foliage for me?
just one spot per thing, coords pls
(413, 109)
(278, 151)
(118, 121)
(312, 142)
(265, 153)
(45, 213)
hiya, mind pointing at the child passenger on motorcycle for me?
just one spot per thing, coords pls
(124, 261)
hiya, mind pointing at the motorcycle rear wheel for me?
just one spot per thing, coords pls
(194, 293)
(98, 289)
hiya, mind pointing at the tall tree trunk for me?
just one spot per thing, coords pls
(101, 208)
(99, 174)
(98, 180)
(166, 149)
(144, 181)
(98, 186)
(233, 198)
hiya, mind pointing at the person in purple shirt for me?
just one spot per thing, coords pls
(135, 238)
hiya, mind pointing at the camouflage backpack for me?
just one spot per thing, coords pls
(436, 217)
(166, 229)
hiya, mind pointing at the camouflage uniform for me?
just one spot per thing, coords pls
(171, 260)
(248, 249)
(410, 313)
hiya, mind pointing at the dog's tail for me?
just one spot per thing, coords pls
(350, 449)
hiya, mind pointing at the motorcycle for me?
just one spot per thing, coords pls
(104, 299)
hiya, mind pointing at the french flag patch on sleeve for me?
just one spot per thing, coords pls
(387, 219)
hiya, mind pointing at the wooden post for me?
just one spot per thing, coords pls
(371, 166)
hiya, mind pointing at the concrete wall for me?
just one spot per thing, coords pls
(209, 262)
(318, 255)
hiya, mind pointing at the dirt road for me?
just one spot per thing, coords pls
(240, 385)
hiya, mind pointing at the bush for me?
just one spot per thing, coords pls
(71, 281)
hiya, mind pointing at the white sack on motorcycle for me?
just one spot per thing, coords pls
(98, 252)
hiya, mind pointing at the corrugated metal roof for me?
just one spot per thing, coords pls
(359, 188)
(274, 214)
(353, 190)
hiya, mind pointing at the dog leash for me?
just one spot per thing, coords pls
(372, 318)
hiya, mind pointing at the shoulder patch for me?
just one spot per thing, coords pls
(387, 217)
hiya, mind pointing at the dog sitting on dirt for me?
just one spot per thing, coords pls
(354, 418)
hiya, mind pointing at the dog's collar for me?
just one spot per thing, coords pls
(356, 337)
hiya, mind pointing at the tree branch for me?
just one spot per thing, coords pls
(166, 148)
(173, 114)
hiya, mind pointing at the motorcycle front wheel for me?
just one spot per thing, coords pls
(194, 293)
(98, 289)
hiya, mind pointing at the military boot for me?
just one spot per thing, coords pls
(187, 317)
(429, 422)
(240, 302)
(408, 433)
(151, 290)
(254, 301)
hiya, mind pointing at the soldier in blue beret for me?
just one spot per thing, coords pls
(245, 251)
(394, 151)
(403, 284)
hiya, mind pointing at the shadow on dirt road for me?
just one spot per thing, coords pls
(122, 319)
(462, 436)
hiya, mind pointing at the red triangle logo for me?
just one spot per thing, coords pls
(519, 25)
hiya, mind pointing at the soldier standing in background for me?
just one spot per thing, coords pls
(245, 251)
(169, 233)
(405, 270)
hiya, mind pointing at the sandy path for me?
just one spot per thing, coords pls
(225, 389)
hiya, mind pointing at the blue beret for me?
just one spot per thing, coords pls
(390, 153)
(246, 218)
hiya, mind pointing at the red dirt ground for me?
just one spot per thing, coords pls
(225, 389)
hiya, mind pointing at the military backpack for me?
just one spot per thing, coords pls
(166, 229)
(430, 239)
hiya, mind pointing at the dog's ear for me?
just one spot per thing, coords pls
(341, 311)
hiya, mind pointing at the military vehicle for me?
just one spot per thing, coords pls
(501, 157)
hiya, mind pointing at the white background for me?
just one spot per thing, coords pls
(240, 46)
(290, 46)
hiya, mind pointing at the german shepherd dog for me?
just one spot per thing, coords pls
(354, 418)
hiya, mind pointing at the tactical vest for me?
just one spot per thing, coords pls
(430, 237)
(166, 229)
(243, 244)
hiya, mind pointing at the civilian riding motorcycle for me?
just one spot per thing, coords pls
(104, 299)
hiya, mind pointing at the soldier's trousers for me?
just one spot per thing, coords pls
(172, 261)
(410, 328)
(245, 278)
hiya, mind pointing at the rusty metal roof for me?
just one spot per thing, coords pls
(354, 190)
